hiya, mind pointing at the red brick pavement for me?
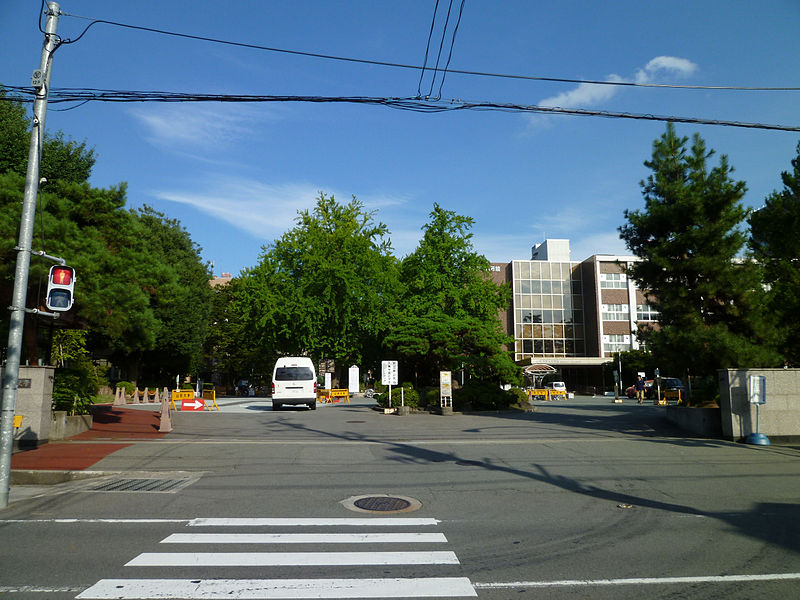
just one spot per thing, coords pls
(112, 424)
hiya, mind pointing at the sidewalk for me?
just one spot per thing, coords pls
(114, 425)
(59, 466)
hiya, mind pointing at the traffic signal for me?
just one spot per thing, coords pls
(60, 288)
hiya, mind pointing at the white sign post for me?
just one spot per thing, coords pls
(757, 392)
(389, 376)
(353, 380)
(445, 388)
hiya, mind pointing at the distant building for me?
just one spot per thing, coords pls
(223, 279)
(572, 315)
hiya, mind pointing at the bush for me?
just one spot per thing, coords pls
(481, 395)
(518, 396)
(431, 398)
(127, 386)
(73, 391)
(408, 395)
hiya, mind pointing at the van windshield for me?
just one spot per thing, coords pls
(293, 374)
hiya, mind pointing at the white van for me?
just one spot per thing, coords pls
(294, 381)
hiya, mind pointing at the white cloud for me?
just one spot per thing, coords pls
(269, 210)
(583, 95)
(591, 94)
(266, 211)
(670, 64)
(195, 125)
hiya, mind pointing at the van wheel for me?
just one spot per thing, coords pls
(312, 406)
(276, 406)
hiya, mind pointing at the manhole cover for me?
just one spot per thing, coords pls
(382, 503)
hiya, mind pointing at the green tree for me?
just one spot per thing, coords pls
(231, 351)
(61, 159)
(182, 301)
(689, 237)
(447, 315)
(775, 244)
(323, 288)
(142, 292)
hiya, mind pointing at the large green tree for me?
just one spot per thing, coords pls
(182, 300)
(323, 288)
(689, 237)
(447, 315)
(141, 287)
(61, 158)
(775, 244)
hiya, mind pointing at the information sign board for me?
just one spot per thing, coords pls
(445, 384)
(389, 372)
(757, 385)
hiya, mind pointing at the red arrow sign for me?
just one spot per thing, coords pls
(192, 404)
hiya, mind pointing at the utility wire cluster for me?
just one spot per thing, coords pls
(426, 104)
(435, 69)
(83, 95)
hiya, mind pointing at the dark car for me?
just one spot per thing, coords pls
(672, 389)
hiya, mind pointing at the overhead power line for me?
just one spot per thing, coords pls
(417, 67)
(63, 95)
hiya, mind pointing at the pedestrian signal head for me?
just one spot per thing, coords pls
(60, 288)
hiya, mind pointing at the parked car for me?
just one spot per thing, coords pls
(558, 386)
(672, 389)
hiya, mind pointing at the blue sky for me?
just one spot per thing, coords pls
(236, 174)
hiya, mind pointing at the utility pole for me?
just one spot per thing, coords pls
(19, 298)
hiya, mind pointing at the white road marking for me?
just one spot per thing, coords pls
(268, 589)
(35, 589)
(640, 581)
(334, 522)
(94, 520)
(282, 559)
(305, 538)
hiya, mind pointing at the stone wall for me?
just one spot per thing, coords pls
(34, 402)
(779, 418)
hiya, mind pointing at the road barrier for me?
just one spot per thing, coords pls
(188, 402)
(137, 397)
(546, 395)
(210, 396)
(333, 396)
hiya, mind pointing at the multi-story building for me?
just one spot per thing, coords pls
(573, 316)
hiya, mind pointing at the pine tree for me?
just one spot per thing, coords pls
(689, 237)
(775, 243)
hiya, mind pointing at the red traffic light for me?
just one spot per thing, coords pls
(62, 275)
(60, 288)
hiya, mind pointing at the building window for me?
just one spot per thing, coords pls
(615, 312)
(616, 343)
(547, 317)
(645, 312)
(613, 280)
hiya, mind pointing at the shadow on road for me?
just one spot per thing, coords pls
(775, 523)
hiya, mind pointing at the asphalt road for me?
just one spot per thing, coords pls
(580, 499)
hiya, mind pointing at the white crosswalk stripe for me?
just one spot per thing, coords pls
(289, 559)
(305, 538)
(403, 553)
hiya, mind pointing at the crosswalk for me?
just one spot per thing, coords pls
(331, 543)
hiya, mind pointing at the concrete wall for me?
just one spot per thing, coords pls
(34, 403)
(702, 421)
(778, 418)
(64, 426)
